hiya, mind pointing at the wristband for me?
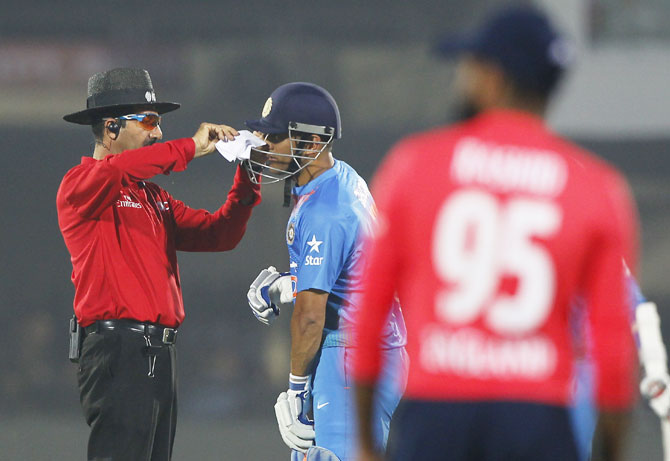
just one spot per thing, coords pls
(298, 383)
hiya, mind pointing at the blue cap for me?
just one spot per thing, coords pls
(298, 102)
(523, 42)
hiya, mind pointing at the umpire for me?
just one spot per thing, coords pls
(123, 233)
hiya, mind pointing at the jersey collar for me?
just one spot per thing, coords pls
(512, 117)
(316, 182)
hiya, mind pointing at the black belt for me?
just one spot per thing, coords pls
(167, 335)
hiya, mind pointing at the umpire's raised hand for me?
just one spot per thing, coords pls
(208, 135)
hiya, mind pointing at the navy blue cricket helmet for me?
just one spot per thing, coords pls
(296, 109)
(523, 42)
(299, 103)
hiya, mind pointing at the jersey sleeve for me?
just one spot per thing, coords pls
(383, 264)
(90, 190)
(325, 242)
(200, 230)
(608, 297)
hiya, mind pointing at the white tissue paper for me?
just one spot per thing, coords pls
(240, 147)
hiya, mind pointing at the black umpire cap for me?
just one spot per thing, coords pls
(118, 92)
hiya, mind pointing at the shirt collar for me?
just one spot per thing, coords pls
(316, 182)
(512, 117)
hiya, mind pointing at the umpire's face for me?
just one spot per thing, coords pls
(135, 134)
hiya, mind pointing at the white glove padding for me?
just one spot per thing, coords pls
(652, 350)
(295, 429)
(656, 384)
(270, 291)
(657, 390)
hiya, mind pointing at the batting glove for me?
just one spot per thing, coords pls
(295, 428)
(653, 357)
(657, 390)
(269, 291)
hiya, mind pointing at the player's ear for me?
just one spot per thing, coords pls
(316, 142)
(495, 85)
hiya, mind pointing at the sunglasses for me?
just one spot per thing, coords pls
(147, 121)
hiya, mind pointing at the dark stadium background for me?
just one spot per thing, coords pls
(221, 59)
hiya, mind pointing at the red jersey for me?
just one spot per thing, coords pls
(488, 231)
(123, 232)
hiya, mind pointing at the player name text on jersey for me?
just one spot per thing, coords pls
(508, 168)
(470, 354)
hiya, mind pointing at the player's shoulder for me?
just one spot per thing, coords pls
(326, 205)
(586, 165)
(352, 181)
(80, 168)
(436, 138)
(595, 187)
(332, 201)
(73, 175)
(408, 156)
(341, 179)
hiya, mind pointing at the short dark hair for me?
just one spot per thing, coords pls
(529, 95)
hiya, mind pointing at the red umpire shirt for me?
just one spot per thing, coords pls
(123, 232)
(489, 231)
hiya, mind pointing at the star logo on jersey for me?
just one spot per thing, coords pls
(314, 244)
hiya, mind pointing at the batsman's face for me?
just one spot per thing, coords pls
(282, 148)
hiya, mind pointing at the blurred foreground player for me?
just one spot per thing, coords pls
(489, 230)
(332, 206)
(123, 233)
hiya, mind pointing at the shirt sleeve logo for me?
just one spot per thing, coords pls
(314, 246)
(290, 233)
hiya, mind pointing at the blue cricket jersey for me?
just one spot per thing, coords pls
(634, 292)
(322, 235)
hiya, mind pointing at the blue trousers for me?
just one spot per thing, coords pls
(333, 403)
(583, 412)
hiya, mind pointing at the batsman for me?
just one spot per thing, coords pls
(332, 208)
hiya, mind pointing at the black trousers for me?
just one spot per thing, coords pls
(132, 416)
(480, 431)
